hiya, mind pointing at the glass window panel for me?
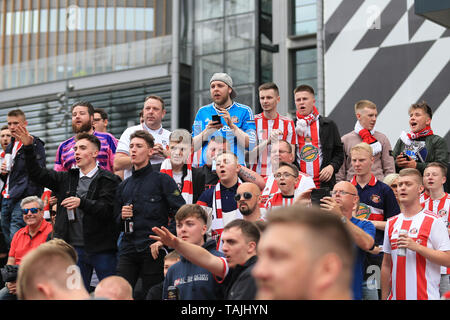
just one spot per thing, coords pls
(18, 22)
(240, 32)
(303, 2)
(307, 71)
(129, 19)
(205, 67)
(110, 19)
(44, 20)
(245, 95)
(201, 99)
(27, 22)
(149, 19)
(208, 9)
(239, 6)
(306, 55)
(140, 20)
(100, 18)
(266, 66)
(35, 21)
(266, 6)
(90, 19)
(62, 19)
(209, 37)
(305, 13)
(8, 23)
(120, 19)
(306, 68)
(241, 65)
(306, 27)
(53, 20)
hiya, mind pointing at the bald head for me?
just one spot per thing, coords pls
(347, 196)
(249, 207)
(114, 288)
(249, 187)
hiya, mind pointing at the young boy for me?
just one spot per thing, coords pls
(287, 178)
(193, 282)
(438, 202)
(156, 292)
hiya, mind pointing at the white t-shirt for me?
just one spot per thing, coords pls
(413, 277)
(161, 136)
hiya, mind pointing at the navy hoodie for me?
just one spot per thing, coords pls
(193, 282)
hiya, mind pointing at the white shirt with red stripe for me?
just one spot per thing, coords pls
(413, 277)
(441, 208)
(2, 158)
(305, 182)
(264, 129)
(278, 201)
(309, 151)
(424, 197)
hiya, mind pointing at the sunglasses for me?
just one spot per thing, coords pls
(246, 195)
(32, 210)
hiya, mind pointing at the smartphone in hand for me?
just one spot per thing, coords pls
(317, 194)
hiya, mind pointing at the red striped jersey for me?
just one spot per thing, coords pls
(424, 197)
(441, 208)
(264, 129)
(305, 182)
(278, 200)
(309, 151)
(413, 277)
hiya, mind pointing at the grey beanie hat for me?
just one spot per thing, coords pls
(225, 78)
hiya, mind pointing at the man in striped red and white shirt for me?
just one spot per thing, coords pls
(270, 127)
(282, 151)
(287, 177)
(415, 275)
(434, 178)
(320, 151)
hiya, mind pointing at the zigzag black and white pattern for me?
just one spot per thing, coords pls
(382, 51)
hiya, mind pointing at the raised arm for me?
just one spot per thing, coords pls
(194, 253)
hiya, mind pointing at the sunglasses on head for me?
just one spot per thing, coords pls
(246, 195)
(33, 211)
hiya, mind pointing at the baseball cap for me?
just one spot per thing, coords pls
(225, 78)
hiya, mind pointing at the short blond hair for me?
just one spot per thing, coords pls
(362, 147)
(361, 104)
(47, 263)
(411, 172)
(390, 178)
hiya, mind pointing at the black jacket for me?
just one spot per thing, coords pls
(100, 232)
(155, 198)
(332, 148)
(240, 284)
(202, 178)
(20, 185)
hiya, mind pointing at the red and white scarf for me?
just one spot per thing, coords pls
(307, 128)
(46, 199)
(16, 148)
(188, 189)
(219, 222)
(407, 137)
(367, 137)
